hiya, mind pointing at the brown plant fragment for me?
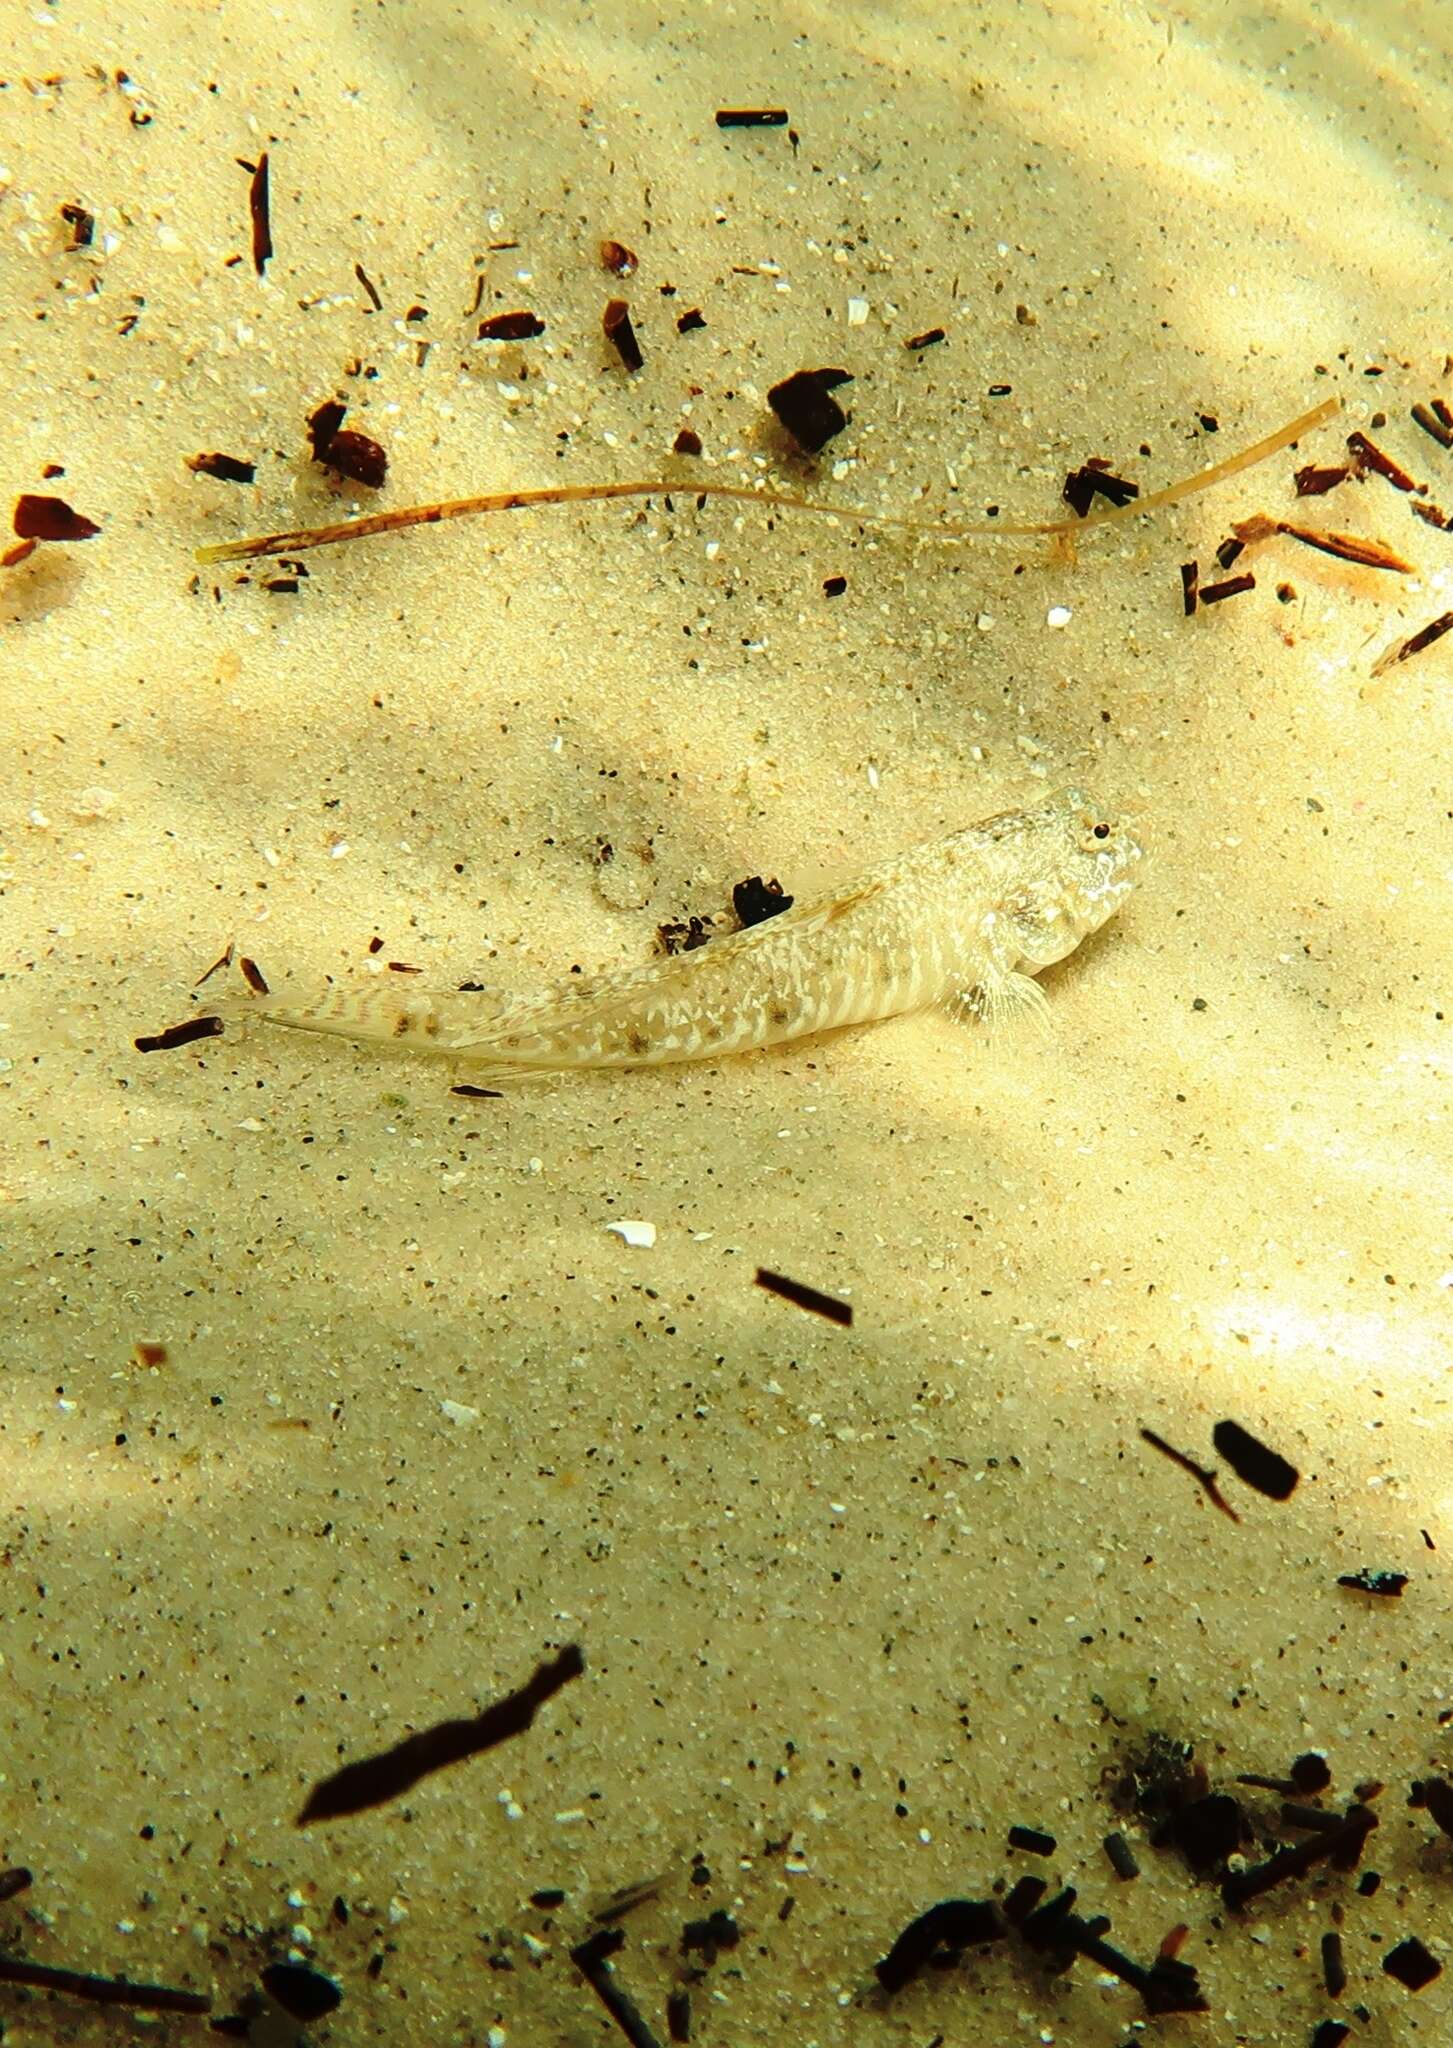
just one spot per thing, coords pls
(616, 322)
(618, 259)
(259, 205)
(1314, 480)
(229, 469)
(37, 517)
(1367, 455)
(180, 1034)
(1096, 479)
(358, 457)
(1428, 420)
(516, 326)
(1415, 643)
(81, 223)
(1347, 547)
(1231, 586)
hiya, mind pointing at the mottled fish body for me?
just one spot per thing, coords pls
(969, 919)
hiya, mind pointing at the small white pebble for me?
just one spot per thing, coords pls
(1057, 615)
(634, 1232)
(496, 2037)
(456, 1411)
(92, 803)
(857, 312)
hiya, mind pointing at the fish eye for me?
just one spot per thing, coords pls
(1101, 831)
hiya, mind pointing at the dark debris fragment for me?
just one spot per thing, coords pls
(618, 259)
(304, 1994)
(1411, 1964)
(951, 1926)
(1403, 650)
(1386, 1585)
(1436, 1795)
(592, 1959)
(708, 1937)
(754, 900)
(375, 1779)
(1206, 1831)
(517, 326)
(1342, 1846)
(38, 517)
(803, 1296)
(180, 1034)
(1314, 480)
(1255, 1463)
(229, 469)
(1334, 1969)
(805, 406)
(1032, 1841)
(1367, 455)
(259, 206)
(102, 1990)
(82, 224)
(357, 456)
(683, 935)
(616, 323)
(1095, 479)
(1440, 430)
(1231, 586)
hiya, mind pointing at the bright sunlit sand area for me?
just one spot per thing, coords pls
(338, 1405)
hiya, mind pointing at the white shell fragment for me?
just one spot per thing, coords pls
(636, 1233)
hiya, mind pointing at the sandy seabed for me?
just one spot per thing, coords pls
(332, 1405)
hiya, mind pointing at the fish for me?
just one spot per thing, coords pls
(965, 922)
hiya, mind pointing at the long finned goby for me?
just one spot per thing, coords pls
(964, 920)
